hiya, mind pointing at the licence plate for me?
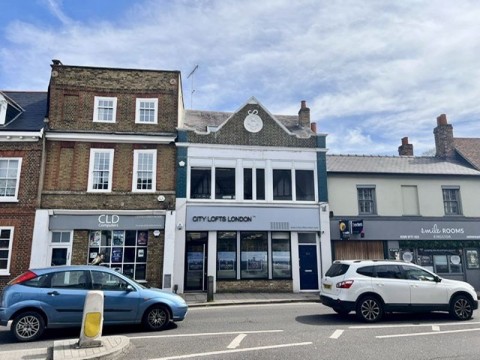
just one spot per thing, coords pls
(327, 286)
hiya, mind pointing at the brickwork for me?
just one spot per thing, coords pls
(73, 90)
(21, 215)
(66, 178)
(254, 286)
(234, 133)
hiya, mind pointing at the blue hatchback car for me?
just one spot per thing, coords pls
(54, 298)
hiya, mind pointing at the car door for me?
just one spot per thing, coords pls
(120, 302)
(65, 297)
(390, 283)
(424, 289)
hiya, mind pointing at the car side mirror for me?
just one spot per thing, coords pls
(129, 288)
(438, 279)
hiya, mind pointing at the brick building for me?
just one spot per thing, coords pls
(21, 139)
(109, 175)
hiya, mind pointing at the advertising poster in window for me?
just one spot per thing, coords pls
(472, 259)
(142, 239)
(118, 238)
(117, 255)
(95, 237)
(226, 261)
(195, 261)
(255, 261)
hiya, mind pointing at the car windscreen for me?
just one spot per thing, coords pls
(337, 270)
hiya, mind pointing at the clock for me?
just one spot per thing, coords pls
(253, 123)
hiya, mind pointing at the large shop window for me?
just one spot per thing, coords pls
(225, 183)
(254, 251)
(125, 251)
(200, 183)
(282, 185)
(304, 185)
(6, 239)
(226, 255)
(281, 260)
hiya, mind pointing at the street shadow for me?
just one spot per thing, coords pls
(6, 337)
(388, 318)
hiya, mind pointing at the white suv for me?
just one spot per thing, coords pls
(372, 287)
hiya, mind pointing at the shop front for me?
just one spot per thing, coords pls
(251, 248)
(131, 242)
(450, 248)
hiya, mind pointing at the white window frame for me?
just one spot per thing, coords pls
(373, 189)
(138, 109)
(91, 169)
(7, 270)
(458, 201)
(13, 198)
(136, 154)
(96, 108)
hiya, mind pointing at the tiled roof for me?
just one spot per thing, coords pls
(34, 104)
(200, 120)
(422, 165)
(469, 149)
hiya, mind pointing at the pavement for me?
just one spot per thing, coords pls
(114, 346)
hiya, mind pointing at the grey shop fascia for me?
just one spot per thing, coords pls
(106, 221)
(216, 218)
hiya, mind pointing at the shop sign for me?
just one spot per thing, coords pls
(415, 230)
(106, 222)
(206, 218)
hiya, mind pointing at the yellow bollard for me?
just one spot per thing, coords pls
(92, 322)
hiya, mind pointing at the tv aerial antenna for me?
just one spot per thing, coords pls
(192, 88)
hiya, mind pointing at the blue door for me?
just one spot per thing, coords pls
(308, 267)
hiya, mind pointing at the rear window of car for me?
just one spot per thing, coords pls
(337, 270)
(366, 271)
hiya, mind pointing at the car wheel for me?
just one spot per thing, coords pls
(369, 309)
(461, 308)
(28, 326)
(156, 318)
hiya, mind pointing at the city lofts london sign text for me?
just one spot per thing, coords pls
(216, 218)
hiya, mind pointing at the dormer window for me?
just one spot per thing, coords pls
(3, 110)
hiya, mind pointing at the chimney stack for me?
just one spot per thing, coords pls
(304, 115)
(444, 138)
(405, 149)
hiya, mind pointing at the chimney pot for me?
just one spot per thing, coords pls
(313, 126)
(442, 120)
(405, 140)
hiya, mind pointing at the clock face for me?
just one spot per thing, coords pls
(253, 123)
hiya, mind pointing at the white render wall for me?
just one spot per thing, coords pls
(342, 193)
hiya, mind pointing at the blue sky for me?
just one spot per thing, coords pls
(371, 71)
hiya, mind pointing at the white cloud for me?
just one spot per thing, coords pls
(383, 70)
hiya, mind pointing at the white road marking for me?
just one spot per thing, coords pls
(426, 333)
(336, 334)
(233, 351)
(236, 342)
(435, 328)
(206, 334)
(243, 306)
(461, 323)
